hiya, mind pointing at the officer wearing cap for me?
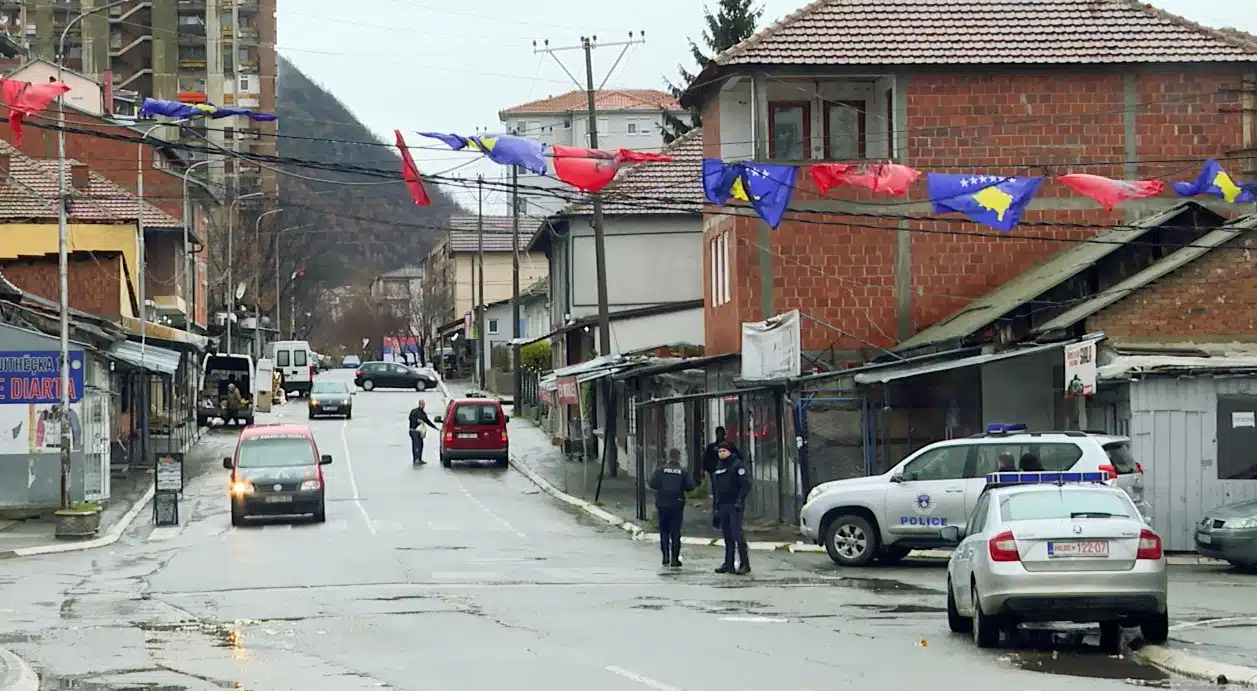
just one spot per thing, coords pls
(732, 484)
(671, 483)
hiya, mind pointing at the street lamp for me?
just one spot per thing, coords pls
(187, 223)
(231, 231)
(257, 283)
(63, 259)
(277, 291)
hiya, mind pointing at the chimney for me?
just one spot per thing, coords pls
(80, 177)
(5, 162)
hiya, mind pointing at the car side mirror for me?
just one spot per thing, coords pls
(326, 459)
(897, 477)
(506, 418)
(950, 533)
(227, 463)
(438, 419)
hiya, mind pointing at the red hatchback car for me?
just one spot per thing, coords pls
(474, 429)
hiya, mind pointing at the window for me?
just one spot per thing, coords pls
(1077, 503)
(281, 357)
(789, 130)
(326, 386)
(1054, 457)
(276, 452)
(299, 358)
(890, 124)
(521, 127)
(844, 130)
(244, 86)
(978, 519)
(229, 133)
(493, 326)
(567, 123)
(1122, 459)
(945, 463)
(719, 249)
(1237, 437)
(632, 127)
(476, 414)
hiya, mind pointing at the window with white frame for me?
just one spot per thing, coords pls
(719, 249)
(493, 327)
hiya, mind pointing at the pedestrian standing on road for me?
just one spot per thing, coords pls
(732, 484)
(671, 483)
(419, 418)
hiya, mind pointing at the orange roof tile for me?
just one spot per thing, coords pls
(607, 100)
(675, 187)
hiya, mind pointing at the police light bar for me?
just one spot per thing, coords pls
(1045, 478)
(1005, 428)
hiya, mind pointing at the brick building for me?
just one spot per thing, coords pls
(1039, 87)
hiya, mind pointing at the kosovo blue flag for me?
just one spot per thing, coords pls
(767, 187)
(992, 200)
(189, 111)
(1214, 181)
(505, 149)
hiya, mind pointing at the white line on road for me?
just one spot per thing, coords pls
(1210, 622)
(644, 681)
(353, 482)
(756, 620)
(486, 509)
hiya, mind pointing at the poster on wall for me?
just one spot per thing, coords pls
(772, 349)
(30, 395)
(35, 428)
(1080, 369)
(568, 391)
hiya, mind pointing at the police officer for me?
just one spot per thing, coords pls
(732, 485)
(671, 483)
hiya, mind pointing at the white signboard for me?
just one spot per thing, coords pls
(772, 349)
(1080, 369)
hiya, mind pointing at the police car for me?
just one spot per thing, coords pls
(887, 516)
(1056, 547)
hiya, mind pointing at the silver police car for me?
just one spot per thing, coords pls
(1055, 547)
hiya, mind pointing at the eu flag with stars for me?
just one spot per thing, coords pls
(997, 201)
(188, 111)
(767, 187)
(1214, 181)
(505, 149)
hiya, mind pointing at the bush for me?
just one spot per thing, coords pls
(536, 356)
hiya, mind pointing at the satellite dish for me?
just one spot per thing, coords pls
(4, 19)
(240, 287)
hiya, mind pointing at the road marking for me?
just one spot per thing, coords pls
(506, 524)
(164, 533)
(353, 482)
(644, 681)
(756, 620)
(1210, 622)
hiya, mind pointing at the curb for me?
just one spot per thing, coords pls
(18, 676)
(1196, 667)
(114, 534)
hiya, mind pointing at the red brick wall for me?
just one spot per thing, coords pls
(842, 269)
(94, 280)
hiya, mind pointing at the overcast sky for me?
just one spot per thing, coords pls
(450, 67)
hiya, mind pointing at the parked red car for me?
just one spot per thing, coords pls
(474, 429)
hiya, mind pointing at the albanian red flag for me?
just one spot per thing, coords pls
(589, 170)
(1109, 192)
(25, 98)
(410, 173)
(888, 178)
(629, 156)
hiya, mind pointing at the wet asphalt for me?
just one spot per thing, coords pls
(471, 578)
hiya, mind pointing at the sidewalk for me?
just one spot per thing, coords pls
(15, 674)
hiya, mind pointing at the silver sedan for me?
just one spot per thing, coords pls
(1056, 553)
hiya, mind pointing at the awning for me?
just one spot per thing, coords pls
(548, 383)
(154, 358)
(892, 373)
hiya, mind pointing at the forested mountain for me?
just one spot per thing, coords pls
(357, 238)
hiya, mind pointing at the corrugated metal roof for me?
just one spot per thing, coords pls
(985, 310)
(497, 241)
(886, 32)
(150, 357)
(1158, 270)
(889, 374)
(606, 100)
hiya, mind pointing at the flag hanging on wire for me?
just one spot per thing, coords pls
(1109, 192)
(410, 173)
(1215, 182)
(25, 98)
(997, 201)
(297, 274)
(589, 170)
(189, 111)
(504, 149)
(767, 187)
(889, 178)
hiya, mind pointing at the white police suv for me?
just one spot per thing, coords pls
(887, 516)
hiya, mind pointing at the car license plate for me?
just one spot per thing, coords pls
(1088, 548)
(1204, 539)
(467, 435)
(279, 499)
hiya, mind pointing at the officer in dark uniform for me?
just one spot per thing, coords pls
(671, 483)
(732, 485)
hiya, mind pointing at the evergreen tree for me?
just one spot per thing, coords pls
(733, 22)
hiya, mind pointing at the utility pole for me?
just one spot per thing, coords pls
(587, 45)
(478, 307)
(515, 330)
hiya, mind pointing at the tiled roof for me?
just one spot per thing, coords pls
(469, 222)
(607, 100)
(657, 188)
(31, 192)
(497, 241)
(897, 32)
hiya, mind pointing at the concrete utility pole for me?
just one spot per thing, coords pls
(230, 292)
(515, 330)
(478, 307)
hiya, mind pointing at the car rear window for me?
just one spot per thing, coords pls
(1065, 503)
(275, 452)
(1121, 457)
(298, 358)
(281, 358)
(476, 414)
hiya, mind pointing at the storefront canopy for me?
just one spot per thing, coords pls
(150, 357)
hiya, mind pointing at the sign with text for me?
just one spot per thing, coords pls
(170, 472)
(568, 390)
(1080, 369)
(35, 376)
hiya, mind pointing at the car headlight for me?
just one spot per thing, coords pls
(239, 488)
(816, 492)
(310, 485)
(314, 402)
(1250, 522)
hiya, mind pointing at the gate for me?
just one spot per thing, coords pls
(96, 435)
(836, 437)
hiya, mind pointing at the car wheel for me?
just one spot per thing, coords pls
(311, 416)
(1157, 630)
(349, 415)
(367, 385)
(955, 622)
(851, 540)
(248, 421)
(503, 462)
(237, 515)
(320, 516)
(893, 555)
(421, 385)
(445, 462)
(202, 421)
(1111, 637)
(985, 627)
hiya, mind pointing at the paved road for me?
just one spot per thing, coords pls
(426, 578)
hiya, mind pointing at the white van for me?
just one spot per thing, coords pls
(217, 372)
(294, 360)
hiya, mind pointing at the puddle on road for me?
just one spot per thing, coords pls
(899, 609)
(1078, 654)
(223, 636)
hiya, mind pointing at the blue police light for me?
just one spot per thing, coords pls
(1045, 478)
(1005, 428)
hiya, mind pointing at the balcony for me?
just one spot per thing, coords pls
(247, 34)
(192, 63)
(120, 14)
(249, 67)
(192, 97)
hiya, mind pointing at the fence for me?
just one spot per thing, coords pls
(836, 436)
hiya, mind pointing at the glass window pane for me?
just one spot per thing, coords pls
(788, 128)
(844, 133)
